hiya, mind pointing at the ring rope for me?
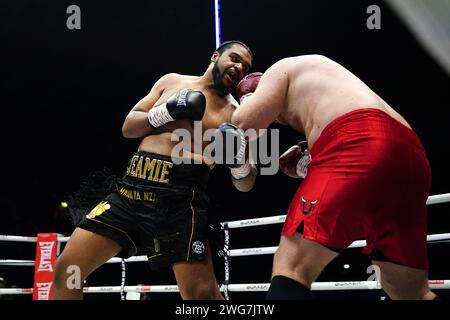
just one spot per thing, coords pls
(242, 287)
(435, 199)
(227, 287)
(433, 238)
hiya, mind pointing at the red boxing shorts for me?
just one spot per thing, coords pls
(369, 178)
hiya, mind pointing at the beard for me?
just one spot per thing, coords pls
(219, 84)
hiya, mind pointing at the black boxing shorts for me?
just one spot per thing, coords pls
(158, 209)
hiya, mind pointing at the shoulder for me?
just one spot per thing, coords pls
(305, 58)
(289, 62)
(169, 77)
(177, 78)
(164, 81)
(289, 67)
(172, 79)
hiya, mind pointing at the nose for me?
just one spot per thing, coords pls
(239, 67)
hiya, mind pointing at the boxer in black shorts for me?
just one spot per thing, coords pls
(159, 207)
(159, 212)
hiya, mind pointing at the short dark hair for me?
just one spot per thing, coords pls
(227, 44)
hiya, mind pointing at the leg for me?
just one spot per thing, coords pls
(297, 263)
(301, 259)
(196, 280)
(86, 250)
(401, 282)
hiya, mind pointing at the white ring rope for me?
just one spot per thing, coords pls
(17, 238)
(231, 253)
(349, 285)
(31, 262)
(254, 222)
(357, 244)
(242, 287)
(439, 198)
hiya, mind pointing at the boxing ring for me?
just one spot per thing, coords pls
(226, 288)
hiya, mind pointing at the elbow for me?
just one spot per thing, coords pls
(243, 121)
(246, 184)
(237, 120)
(246, 188)
(126, 131)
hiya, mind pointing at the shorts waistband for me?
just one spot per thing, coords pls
(370, 120)
(152, 169)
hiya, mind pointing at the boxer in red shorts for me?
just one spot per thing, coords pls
(366, 176)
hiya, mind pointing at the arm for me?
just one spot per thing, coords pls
(243, 177)
(235, 156)
(136, 123)
(246, 183)
(267, 102)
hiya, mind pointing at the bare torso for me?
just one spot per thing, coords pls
(218, 110)
(320, 90)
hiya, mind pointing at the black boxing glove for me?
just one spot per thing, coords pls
(234, 147)
(248, 85)
(294, 162)
(185, 104)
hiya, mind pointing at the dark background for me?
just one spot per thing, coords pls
(65, 93)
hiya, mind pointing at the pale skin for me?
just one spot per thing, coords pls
(307, 93)
(196, 280)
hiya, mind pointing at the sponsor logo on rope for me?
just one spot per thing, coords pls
(257, 287)
(243, 223)
(436, 282)
(347, 284)
(255, 250)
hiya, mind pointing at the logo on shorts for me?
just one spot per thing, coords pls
(198, 247)
(308, 207)
(99, 209)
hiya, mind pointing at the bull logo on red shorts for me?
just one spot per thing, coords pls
(308, 206)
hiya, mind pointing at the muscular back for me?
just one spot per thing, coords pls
(218, 109)
(321, 90)
(307, 93)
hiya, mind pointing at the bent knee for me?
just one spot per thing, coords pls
(60, 274)
(303, 272)
(66, 272)
(402, 282)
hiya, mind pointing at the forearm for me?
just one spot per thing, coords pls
(185, 104)
(246, 184)
(245, 121)
(136, 125)
(238, 118)
(243, 116)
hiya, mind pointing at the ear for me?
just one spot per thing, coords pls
(215, 56)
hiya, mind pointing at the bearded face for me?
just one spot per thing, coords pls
(219, 83)
(230, 67)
